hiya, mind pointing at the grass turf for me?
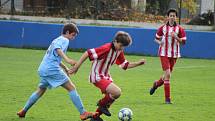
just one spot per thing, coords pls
(192, 89)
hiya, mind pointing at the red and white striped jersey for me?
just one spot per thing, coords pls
(171, 47)
(102, 59)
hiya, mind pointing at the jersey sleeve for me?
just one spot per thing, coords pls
(182, 35)
(53, 48)
(97, 53)
(159, 33)
(121, 61)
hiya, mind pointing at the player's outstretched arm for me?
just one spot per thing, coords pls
(77, 66)
(135, 64)
(66, 59)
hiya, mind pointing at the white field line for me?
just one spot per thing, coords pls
(193, 67)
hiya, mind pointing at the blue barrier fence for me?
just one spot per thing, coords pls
(28, 34)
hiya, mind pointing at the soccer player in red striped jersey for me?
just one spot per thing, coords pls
(169, 36)
(102, 59)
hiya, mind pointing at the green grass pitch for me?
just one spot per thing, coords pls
(192, 87)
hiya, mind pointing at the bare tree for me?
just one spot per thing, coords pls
(12, 7)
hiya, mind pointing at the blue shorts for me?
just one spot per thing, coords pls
(53, 81)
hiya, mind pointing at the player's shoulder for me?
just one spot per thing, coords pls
(106, 46)
(61, 40)
(161, 27)
(180, 27)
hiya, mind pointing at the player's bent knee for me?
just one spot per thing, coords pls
(117, 93)
(69, 86)
(168, 75)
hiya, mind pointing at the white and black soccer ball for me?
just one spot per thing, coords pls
(125, 114)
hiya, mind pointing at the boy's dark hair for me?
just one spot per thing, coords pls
(123, 37)
(172, 10)
(71, 27)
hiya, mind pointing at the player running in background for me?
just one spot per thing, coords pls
(102, 59)
(169, 37)
(52, 75)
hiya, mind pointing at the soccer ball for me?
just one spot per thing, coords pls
(125, 114)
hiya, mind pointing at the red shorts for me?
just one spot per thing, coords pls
(167, 62)
(103, 84)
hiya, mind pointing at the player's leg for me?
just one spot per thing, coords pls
(74, 96)
(167, 76)
(165, 65)
(104, 103)
(111, 94)
(34, 96)
(31, 101)
(156, 84)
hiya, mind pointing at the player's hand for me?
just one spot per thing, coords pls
(142, 61)
(66, 70)
(73, 70)
(73, 63)
(161, 43)
(173, 34)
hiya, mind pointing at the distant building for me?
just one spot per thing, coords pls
(204, 6)
(7, 5)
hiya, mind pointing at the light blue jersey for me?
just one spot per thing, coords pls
(50, 64)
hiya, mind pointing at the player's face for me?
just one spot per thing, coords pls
(72, 36)
(118, 46)
(172, 17)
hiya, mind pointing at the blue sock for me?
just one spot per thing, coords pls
(74, 96)
(33, 98)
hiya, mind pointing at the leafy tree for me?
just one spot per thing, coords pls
(190, 5)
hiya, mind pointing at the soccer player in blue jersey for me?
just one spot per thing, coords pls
(54, 73)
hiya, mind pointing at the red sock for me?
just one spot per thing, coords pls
(159, 82)
(167, 89)
(99, 113)
(107, 100)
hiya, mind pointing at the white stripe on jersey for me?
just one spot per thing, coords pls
(117, 55)
(106, 62)
(95, 75)
(162, 51)
(110, 62)
(95, 71)
(100, 68)
(169, 40)
(94, 53)
(176, 48)
(176, 45)
(92, 74)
